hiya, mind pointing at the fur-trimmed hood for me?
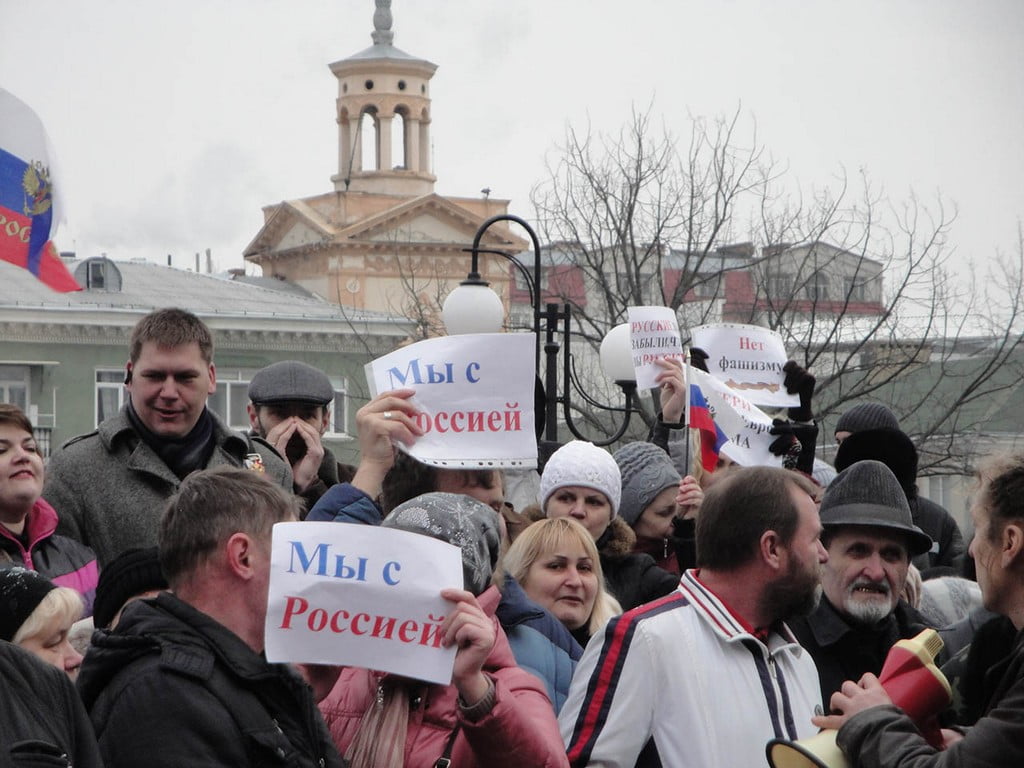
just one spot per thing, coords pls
(617, 540)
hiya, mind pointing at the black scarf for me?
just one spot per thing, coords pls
(182, 455)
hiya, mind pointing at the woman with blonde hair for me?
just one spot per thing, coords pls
(37, 615)
(552, 600)
(556, 564)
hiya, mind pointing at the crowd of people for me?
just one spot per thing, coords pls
(640, 612)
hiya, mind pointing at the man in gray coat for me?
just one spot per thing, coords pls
(109, 486)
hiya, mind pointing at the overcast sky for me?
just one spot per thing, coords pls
(173, 123)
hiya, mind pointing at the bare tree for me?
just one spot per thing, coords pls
(860, 287)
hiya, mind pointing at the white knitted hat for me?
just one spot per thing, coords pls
(583, 464)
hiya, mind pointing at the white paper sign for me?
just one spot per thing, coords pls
(653, 335)
(363, 596)
(743, 423)
(475, 397)
(748, 359)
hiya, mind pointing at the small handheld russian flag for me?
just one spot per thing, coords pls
(712, 438)
(27, 199)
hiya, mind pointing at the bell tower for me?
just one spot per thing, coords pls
(383, 114)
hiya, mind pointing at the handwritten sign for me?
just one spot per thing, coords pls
(361, 595)
(475, 397)
(743, 423)
(748, 359)
(653, 335)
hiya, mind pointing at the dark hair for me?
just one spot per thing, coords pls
(1000, 480)
(171, 327)
(212, 505)
(738, 509)
(13, 415)
(409, 478)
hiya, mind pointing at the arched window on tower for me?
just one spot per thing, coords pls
(400, 140)
(370, 140)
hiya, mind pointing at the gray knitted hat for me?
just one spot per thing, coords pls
(585, 465)
(867, 416)
(867, 493)
(646, 471)
(458, 519)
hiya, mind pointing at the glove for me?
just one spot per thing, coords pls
(786, 444)
(699, 359)
(799, 381)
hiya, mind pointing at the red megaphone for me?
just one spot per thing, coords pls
(914, 684)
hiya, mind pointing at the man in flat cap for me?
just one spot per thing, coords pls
(290, 408)
(870, 537)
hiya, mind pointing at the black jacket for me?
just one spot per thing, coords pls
(172, 687)
(886, 736)
(948, 548)
(845, 651)
(632, 578)
(42, 721)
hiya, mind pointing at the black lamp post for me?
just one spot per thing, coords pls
(473, 308)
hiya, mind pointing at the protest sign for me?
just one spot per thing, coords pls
(363, 596)
(653, 335)
(743, 423)
(474, 393)
(748, 359)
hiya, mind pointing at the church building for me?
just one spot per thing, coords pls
(382, 239)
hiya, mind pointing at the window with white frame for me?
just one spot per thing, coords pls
(14, 385)
(707, 286)
(110, 393)
(230, 400)
(780, 285)
(339, 412)
(817, 288)
(856, 288)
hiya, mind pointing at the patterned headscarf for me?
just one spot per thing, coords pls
(461, 520)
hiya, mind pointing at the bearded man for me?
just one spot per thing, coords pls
(870, 537)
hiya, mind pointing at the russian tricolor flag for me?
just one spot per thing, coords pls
(712, 438)
(27, 199)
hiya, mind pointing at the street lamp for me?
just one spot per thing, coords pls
(473, 308)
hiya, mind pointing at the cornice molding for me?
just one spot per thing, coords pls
(347, 342)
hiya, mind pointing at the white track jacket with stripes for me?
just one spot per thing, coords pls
(684, 670)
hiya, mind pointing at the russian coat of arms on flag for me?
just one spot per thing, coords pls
(27, 200)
